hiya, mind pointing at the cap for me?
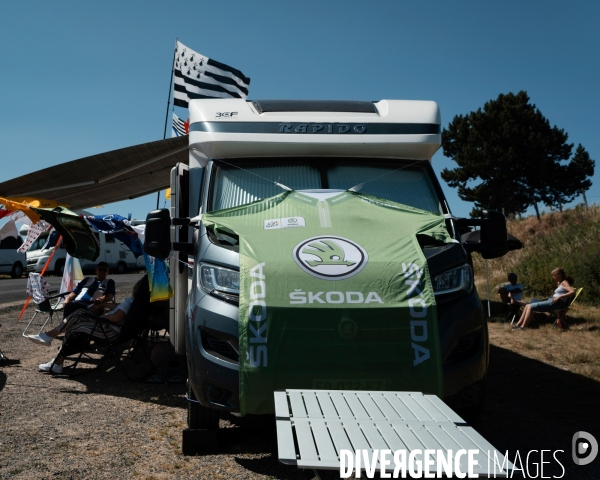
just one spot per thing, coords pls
(512, 276)
(102, 265)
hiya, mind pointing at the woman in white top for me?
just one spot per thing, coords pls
(558, 301)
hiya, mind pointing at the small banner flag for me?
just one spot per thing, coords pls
(120, 228)
(197, 76)
(180, 128)
(72, 274)
(37, 287)
(12, 205)
(33, 233)
(158, 278)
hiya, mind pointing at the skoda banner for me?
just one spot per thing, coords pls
(334, 294)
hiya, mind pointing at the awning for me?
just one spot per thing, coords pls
(104, 178)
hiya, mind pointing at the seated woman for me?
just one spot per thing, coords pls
(80, 324)
(558, 301)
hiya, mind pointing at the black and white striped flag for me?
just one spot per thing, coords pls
(179, 127)
(197, 76)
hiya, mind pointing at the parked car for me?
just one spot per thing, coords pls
(11, 261)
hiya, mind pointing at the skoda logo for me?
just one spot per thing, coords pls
(330, 258)
(347, 328)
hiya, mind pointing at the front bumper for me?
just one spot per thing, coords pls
(213, 361)
(465, 350)
(36, 264)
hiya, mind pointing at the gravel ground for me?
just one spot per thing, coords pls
(101, 425)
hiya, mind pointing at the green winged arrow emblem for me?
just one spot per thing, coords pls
(328, 252)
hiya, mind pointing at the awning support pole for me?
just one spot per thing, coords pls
(487, 277)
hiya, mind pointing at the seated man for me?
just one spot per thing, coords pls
(91, 291)
(511, 291)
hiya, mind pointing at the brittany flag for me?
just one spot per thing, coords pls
(197, 76)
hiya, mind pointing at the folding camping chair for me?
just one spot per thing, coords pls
(48, 301)
(561, 315)
(514, 309)
(133, 333)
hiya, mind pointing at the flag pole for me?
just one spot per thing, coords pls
(168, 105)
(170, 82)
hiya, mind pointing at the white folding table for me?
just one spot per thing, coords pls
(313, 426)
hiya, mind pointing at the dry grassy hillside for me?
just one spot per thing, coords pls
(568, 239)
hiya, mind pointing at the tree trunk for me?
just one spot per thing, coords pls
(537, 212)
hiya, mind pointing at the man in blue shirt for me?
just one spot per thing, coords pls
(91, 291)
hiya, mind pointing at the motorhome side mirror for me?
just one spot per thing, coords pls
(492, 240)
(157, 238)
(494, 235)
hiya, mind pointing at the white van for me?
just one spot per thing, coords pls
(118, 256)
(11, 261)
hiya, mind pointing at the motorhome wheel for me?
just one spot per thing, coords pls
(473, 412)
(121, 268)
(17, 270)
(198, 416)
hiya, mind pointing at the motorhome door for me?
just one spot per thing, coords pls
(179, 260)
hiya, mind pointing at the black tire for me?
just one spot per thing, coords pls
(121, 268)
(198, 416)
(59, 267)
(17, 270)
(473, 413)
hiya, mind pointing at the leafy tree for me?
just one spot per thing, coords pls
(510, 158)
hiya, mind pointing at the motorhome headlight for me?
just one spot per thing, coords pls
(453, 280)
(215, 280)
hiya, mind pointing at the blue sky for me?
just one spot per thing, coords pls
(81, 78)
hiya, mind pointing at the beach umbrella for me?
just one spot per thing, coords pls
(79, 240)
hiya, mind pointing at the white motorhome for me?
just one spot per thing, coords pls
(317, 147)
(118, 256)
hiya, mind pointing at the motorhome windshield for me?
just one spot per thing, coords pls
(38, 243)
(239, 182)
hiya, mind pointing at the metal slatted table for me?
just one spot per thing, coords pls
(313, 426)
